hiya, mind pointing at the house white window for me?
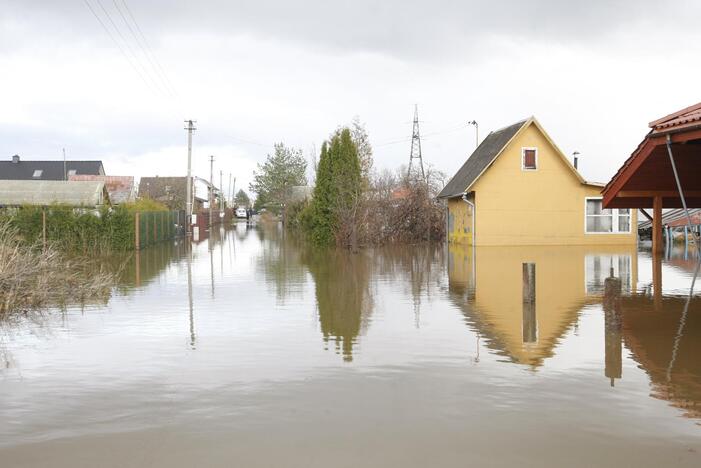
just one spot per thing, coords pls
(37, 173)
(529, 159)
(605, 221)
(72, 172)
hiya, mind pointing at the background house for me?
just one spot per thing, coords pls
(17, 169)
(171, 191)
(52, 192)
(120, 188)
(518, 188)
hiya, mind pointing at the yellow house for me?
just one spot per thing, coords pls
(518, 188)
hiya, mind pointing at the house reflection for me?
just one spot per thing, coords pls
(524, 299)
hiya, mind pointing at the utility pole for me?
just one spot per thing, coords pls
(416, 146)
(188, 196)
(211, 190)
(221, 192)
(477, 132)
(231, 199)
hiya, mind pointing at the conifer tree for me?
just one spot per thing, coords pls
(338, 187)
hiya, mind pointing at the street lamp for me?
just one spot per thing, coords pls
(477, 132)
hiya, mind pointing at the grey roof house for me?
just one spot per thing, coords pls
(16, 169)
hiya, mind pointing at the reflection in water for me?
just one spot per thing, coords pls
(249, 361)
(651, 336)
(189, 297)
(524, 299)
(343, 299)
(612, 327)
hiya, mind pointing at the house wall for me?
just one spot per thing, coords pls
(541, 207)
(459, 221)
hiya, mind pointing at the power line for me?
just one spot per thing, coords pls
(119, 46)
(138, 43)
(146, 47)
(424, 136)
(129, 48)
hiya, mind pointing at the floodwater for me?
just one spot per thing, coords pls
(252, 350)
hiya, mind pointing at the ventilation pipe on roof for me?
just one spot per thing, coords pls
(15, 158)
(576, 159)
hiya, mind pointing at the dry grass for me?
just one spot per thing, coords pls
(33, 278)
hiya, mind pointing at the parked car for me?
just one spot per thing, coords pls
(241, 213)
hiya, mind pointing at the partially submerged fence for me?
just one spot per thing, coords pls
(151, 227)
(93, 230)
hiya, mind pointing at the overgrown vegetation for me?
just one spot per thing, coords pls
(273, 180)
(92, 231)
(144, 204)
(33, 276)
(82, 230)
(352, 206)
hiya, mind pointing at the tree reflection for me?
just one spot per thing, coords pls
(342, 288)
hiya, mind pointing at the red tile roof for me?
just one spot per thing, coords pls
(683, 119)
(687, 117)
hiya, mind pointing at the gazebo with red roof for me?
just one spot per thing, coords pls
(647, 179)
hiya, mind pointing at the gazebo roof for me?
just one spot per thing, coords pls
(648, 171)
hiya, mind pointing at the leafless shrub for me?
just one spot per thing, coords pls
(33, 278)
(396, 209)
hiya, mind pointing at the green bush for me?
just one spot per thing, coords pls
(82, 230)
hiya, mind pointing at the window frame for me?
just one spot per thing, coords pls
(37, 173)
(523, 159)
(615, 215)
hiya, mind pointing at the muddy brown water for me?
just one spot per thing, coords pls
(253, 350)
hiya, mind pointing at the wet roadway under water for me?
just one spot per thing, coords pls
(251, 349)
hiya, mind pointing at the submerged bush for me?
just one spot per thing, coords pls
(83, 230)
(33, 277)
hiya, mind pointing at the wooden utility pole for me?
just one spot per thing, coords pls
(231, 198)
(211, 190)
(221, 191)
(188, 196)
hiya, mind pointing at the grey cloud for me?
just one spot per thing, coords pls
(404, 29)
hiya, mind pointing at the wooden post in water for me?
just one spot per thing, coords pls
(657, 280)
(529, 324)
(657, 244)
(137, 234)
(612, 328)
(43, 227)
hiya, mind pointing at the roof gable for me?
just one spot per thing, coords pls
(480, 159)
(489, 150)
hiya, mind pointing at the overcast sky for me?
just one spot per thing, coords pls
(257, 72)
